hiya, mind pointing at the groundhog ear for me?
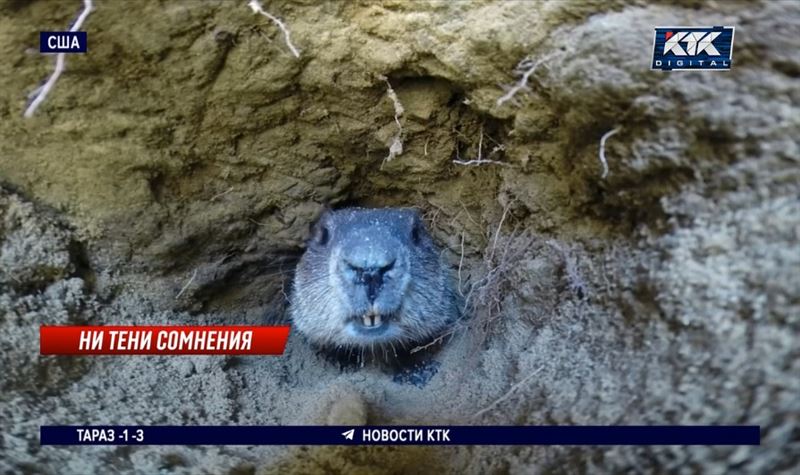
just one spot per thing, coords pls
(320, 234)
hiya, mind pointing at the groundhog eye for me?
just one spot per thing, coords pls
(323, 236)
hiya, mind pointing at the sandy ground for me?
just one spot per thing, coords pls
(190, 146)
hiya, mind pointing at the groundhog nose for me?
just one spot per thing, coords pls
(371, 277)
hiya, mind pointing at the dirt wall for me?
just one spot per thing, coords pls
(172, 173)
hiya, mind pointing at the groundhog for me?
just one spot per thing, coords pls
(372, 278)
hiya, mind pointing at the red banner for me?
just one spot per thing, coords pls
(163, 340)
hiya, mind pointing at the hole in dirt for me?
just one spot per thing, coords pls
(255, 289)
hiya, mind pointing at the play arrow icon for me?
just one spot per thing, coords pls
(349, 434)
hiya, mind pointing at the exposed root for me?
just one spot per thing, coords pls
(460, 265)
(40, 93)
(434, 342)
(574, 278)
(480, 160)
(194, 274)
(506, 395)
(497, 231)
(221, 194)
(396, 148)
(256, 6)
(602, 153)
(485, 296)
(524, 70)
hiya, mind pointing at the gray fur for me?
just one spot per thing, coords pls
(415, 298)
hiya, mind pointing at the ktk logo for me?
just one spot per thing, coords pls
(693, 48)
(696, 43)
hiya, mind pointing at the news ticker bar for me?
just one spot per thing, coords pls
(163, 340)
(400, 435)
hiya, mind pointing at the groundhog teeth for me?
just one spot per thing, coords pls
(372, 319)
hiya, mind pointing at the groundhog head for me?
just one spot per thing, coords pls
(372, 277)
